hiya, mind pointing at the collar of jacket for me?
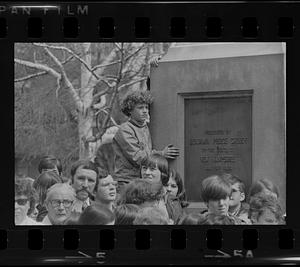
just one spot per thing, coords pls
(134, 122)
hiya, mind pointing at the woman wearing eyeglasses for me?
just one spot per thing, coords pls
(25, 198)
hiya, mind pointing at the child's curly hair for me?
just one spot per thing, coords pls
(134, 98)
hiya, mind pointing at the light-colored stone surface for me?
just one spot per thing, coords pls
(222, 67)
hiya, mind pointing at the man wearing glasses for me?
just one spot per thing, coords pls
(105, 191)
(59, 202)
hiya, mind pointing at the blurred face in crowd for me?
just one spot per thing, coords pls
(106, 190)
(84, 182)
(151, 172)
(236, 196)
(270, 193)
(172, 187)
(59, 206)
(140, 113)
(22, 205)
(54, 169)
(219, 207)
(35, 212)
(161, 205)
(266, 217)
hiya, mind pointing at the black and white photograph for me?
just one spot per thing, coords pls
(150, 133)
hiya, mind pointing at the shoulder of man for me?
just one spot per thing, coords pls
(125, 127)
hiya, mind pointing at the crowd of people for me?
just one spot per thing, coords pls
(142, 189)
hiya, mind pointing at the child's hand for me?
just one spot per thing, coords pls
(170, 152)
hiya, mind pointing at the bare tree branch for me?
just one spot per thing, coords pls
(40, 73)
(66, 80)
(131, 83)
(107, 118)
(119, 47)
(38, 66)
(135, 73)
(111, 118)
(71, 52)
(92, 81)
(107, 83)
(135, 52)
(111, 77)
(30, 76)
(102, 93)
(105, 65)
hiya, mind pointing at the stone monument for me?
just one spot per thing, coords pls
(223, 106)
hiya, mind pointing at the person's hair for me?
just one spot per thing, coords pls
(149, 216)
(126, 213)
(84, 164)
(50, 162)
(101, 175)
(96, 215)
(233, 179)
(259, 186)
(134, 98)
(181, 194)
(261, 202)
(43, 182)
(140, 191)
(157, 161)
(24, 187)
(215, 188)
(60, 187)
(191, 219)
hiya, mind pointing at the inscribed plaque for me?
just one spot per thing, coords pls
(218, 139)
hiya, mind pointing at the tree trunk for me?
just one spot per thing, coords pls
(85, 118)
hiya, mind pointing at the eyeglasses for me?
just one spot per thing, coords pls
(21, 201)
(56, 203)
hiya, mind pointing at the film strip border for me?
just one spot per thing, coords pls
(145, 22)
(143, 239)
(71, 27)
(158, 22)
(193, 246)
